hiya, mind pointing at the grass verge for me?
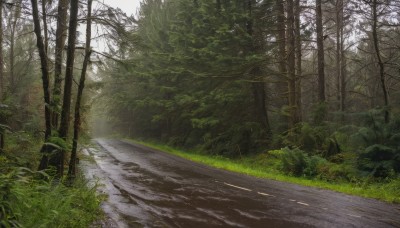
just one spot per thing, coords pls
(386, 191)
(29, 199)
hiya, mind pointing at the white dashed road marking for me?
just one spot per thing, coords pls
(357, 216)
(246, 189)
(265, 194)
(305, 204)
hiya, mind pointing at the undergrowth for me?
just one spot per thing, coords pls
(32, 199)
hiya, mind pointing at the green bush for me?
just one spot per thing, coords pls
(379, 153)
(338, 172)
(298, 163)
(313, 165)
(29, 201)
(294, 161)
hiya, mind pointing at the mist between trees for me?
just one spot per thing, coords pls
(317, 81)
(240, 78)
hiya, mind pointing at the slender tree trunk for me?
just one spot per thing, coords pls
(320, 48)
(340, 58)
(14, 17)
(281, 86)
(61, 35)
(1, 71)
(338, 49)
(297, 33)
(44, 66)
(1, 53)
(13, 25)
(45, 80)
(66, 108)
(77, 120)
(380, 62)
(44, 18)
(291, 71)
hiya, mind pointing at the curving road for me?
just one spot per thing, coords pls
(149, 188)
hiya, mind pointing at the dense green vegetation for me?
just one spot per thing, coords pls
(35, 198)
(219, 77)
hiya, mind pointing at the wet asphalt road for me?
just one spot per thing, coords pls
(148, 188)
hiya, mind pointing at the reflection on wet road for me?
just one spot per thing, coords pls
(148, 188)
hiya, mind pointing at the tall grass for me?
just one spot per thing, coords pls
(30, 199)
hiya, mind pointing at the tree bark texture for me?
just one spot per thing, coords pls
(320, 49)
(61, 36)
(291, 71)
(297, 33)
(1, 71)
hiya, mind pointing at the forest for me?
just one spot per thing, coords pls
(307, 88)
(303, 89)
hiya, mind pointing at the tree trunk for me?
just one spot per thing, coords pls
(320, 48)
(45, 80)
(44, 66)
(291, 71)
(297, 33)
(61, 35)
(338, 49)
(260, 103)
(340, 58)
(380, 62)
(1, 70)
(44, 18)
(66, 108)
(13, 25)
(282, 85)
(77, 120)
